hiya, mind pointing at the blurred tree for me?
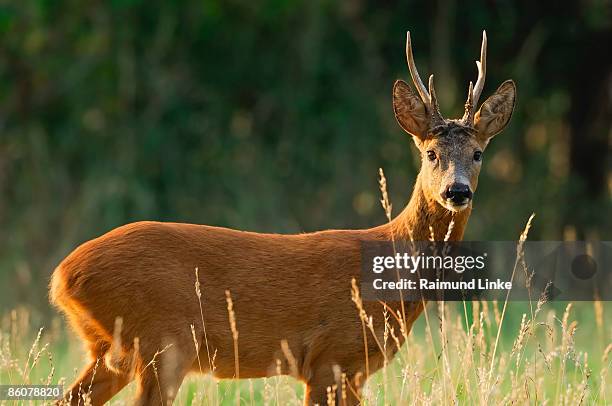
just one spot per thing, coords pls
(275, 116)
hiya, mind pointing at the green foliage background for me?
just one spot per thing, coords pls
(275, 116)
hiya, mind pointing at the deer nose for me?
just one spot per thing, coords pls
(458, 193)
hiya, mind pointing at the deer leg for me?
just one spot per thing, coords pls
(159, 381)
(350, 393)
(323, 389)
(97, 383)
(155, 389)
(316, 394)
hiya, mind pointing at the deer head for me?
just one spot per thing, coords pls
(451, 149)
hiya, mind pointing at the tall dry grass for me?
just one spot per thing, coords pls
(558, 356)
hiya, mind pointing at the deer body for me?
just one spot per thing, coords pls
(295, 288)
(284, 287)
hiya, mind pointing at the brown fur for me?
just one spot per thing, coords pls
(292, 287)
(284, 287)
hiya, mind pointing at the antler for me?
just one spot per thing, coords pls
(475, 91)
(429, 98)
(414, 73)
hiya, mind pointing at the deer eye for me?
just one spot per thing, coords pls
(431, 155)
(478, 156)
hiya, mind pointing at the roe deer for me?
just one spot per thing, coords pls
(294, 289)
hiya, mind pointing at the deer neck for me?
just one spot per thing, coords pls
(422, 216)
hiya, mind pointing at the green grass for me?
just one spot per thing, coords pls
(563, 357)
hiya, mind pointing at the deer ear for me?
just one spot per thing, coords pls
(495, 112)
(410, 111)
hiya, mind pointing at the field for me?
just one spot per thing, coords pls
(548, 353)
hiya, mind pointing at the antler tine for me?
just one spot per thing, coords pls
(435, 108)
(414, 73)
(482, 71)
(469, 105)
